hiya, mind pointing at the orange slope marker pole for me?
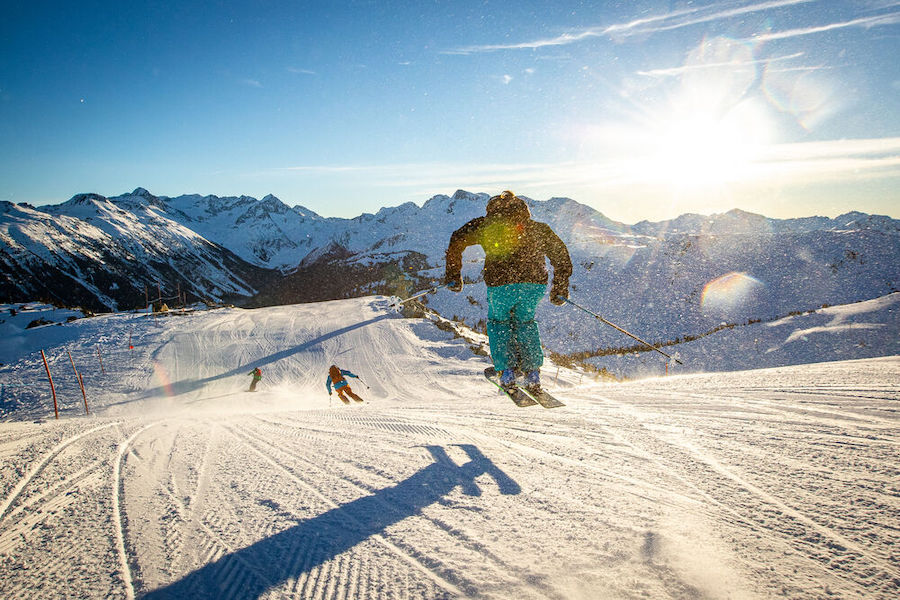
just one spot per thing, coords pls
(79, 379)
(52, 388)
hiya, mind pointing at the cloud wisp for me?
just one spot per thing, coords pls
(863, 22)
(644, 26)
(676, 71)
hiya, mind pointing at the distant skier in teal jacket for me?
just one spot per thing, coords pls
(336, 377)
(515, 249)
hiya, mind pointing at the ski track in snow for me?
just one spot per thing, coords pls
(41, 464)
(120, 533)
(782, 482)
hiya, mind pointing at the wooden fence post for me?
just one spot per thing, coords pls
(52, 388)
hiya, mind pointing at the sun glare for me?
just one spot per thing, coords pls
(696, 147)
(709, 130)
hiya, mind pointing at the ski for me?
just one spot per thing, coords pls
(542, 397)
(519, 397)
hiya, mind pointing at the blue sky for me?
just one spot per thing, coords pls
(643, 109)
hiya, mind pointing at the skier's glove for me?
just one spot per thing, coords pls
(454, 284)
(559, 292)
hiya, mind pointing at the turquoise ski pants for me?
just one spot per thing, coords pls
(512, 331)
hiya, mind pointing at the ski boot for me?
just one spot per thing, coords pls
(508, 379)
(533, 382)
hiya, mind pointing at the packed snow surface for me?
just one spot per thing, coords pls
(180, 484)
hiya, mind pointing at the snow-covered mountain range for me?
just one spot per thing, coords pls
(665, 280)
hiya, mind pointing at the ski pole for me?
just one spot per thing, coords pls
(364, 383)
(396, 302)
(614, 326)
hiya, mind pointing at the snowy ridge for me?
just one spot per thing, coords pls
(97, 253)
(769, 483)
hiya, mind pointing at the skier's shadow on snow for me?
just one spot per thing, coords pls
(250, 572)
(189, 385)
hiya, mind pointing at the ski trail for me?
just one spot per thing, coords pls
(197, 500)
(65, 484)
(842, 542)
(236, 571)
(34, 511)
(118, 482)
(4, 508)
(679, 501)
(788, 510)
(780, 408)
(434, 577)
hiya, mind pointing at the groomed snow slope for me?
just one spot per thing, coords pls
(780, 482)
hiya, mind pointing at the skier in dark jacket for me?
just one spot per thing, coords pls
(336, 377)
(257, 375)
(515, 248)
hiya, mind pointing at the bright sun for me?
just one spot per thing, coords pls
(711, 129)
(697, 147)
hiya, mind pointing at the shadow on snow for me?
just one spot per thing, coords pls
(250, 572)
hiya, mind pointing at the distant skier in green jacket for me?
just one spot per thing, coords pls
(257, 375)
(515, 250)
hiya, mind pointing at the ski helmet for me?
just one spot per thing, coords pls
(507, 204)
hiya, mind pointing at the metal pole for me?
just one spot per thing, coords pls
(614, 326)
(52, 388)
(434, 289)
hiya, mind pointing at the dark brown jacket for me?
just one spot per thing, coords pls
(515, 248)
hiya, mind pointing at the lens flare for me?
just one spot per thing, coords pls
(162, 378)
(808, 95)
(730, 291)
(501, 238)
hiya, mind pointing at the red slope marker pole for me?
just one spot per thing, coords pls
(52, 389)
(102, 370)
